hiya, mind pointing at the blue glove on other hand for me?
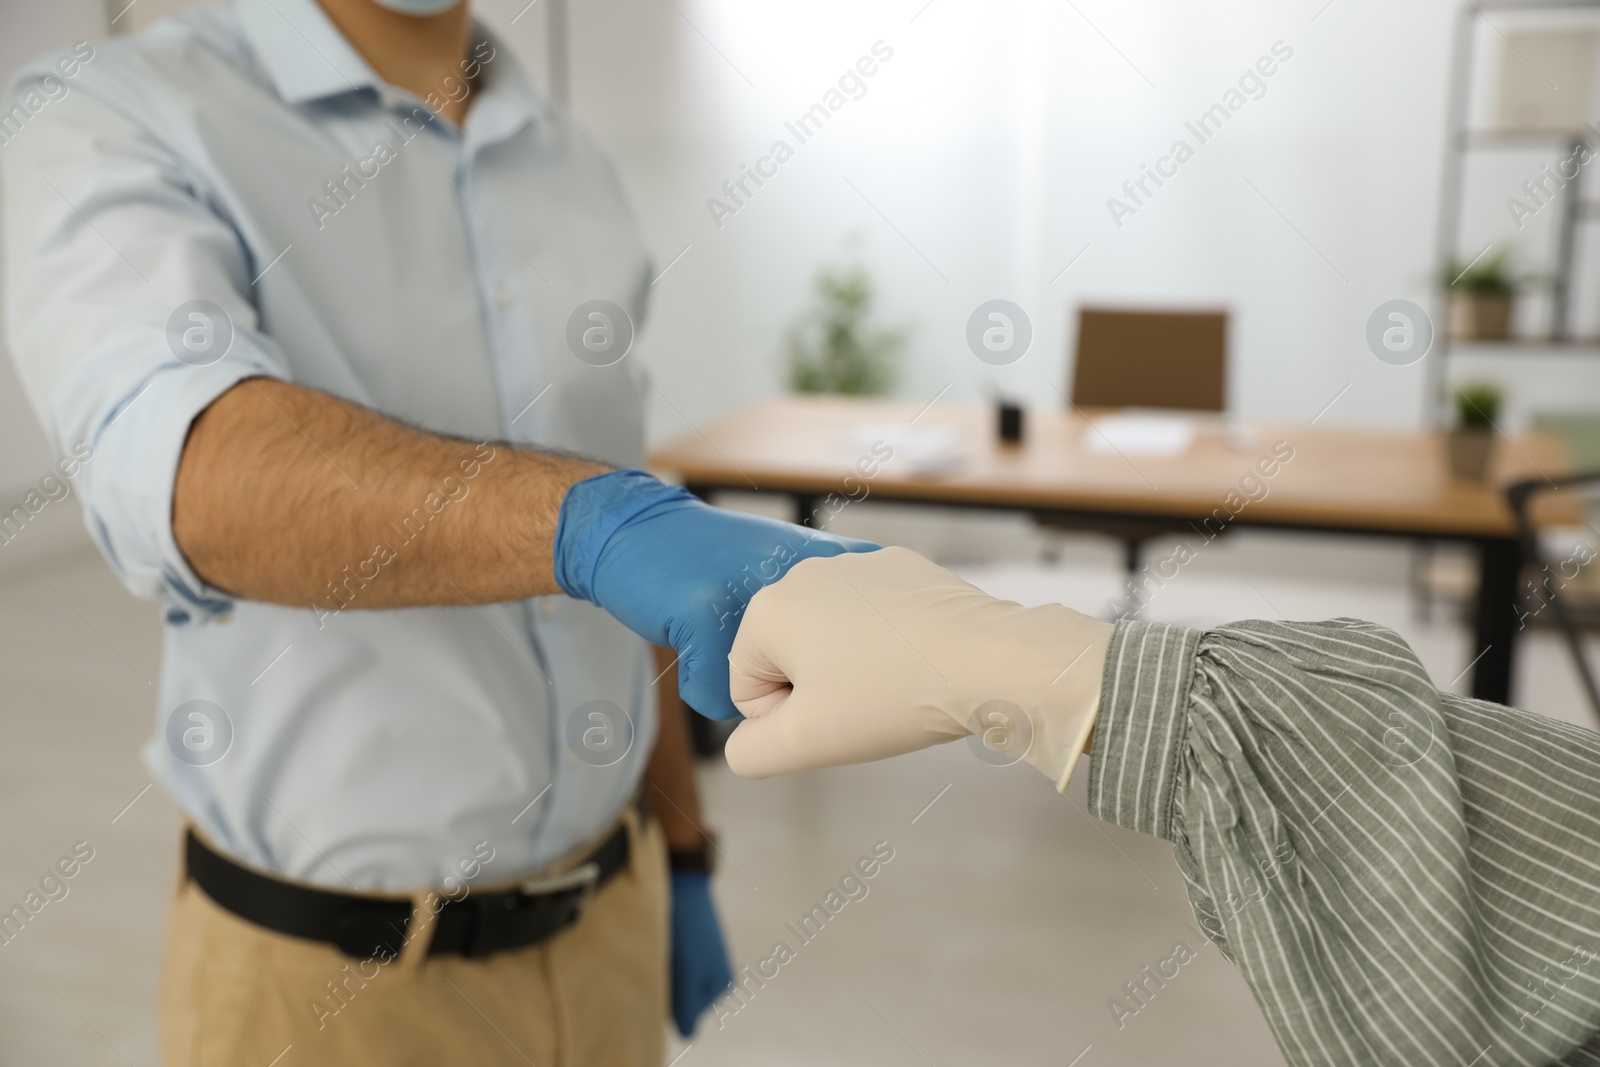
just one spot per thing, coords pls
(677, 571)
(700, 969)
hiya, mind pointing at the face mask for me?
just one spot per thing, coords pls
(419, 7)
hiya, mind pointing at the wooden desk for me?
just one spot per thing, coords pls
(1385, 483)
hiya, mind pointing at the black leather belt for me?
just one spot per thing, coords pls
(475, 925)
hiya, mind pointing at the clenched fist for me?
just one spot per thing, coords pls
(860, 657)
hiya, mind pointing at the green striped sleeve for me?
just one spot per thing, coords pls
(1403, 876)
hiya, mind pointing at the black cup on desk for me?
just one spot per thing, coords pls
(1010, 422)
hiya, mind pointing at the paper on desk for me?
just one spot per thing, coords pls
(1140, 435)
(920, 450)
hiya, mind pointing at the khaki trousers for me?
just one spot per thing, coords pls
(236, 995)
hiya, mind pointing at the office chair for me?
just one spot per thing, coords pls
(1145, 359)
(1151, 359)
(1520, 496)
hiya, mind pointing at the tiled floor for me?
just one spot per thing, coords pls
(996, 934)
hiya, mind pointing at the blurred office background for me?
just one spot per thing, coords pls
(976, 165)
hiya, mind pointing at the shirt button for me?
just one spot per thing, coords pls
(547, 608)
(502, 298)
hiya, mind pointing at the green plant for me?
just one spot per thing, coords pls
(1490, 277)
(1477, 405)
(832, 348)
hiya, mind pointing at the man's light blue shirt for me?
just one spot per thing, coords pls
(248, 156)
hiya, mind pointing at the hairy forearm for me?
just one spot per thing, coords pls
(292, 496)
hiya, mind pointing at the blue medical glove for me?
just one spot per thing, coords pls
(700, 969)
(677, 571)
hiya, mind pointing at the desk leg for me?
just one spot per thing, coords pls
(805, 504)
(1495, 629)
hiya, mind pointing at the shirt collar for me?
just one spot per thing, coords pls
(303, 51)
(309, 59)
(507, 100)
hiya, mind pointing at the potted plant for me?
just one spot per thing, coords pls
(1471, 442)
(1480, 305)
(832, 348)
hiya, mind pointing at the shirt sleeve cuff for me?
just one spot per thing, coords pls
(1140, 730)
(134, 470)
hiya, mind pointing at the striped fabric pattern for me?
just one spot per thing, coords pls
(1403, 876)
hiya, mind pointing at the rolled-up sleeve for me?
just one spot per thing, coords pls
(128, 312)
(1403, 876)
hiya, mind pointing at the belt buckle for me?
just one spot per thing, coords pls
(585, 878)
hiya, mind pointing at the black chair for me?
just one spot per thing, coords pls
(1520, 497)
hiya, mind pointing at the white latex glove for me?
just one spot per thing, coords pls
(868, 655)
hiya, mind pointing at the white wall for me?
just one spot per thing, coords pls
(984, 152)
(991, 143)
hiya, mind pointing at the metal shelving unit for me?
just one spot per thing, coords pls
(1462, 141)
